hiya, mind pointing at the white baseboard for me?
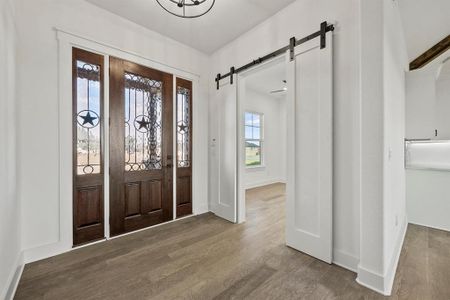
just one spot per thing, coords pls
(345, 260)
(14, 278)
(370, 279)
(383, 283)
(201, 209)
(263, 183)
(53, 249)
(429, 226)
(45, 251)
(392, 267)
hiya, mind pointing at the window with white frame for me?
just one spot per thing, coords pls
(253, 139)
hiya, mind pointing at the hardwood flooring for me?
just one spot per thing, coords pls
(205, 257)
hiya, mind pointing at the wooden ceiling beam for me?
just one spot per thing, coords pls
(430, 54)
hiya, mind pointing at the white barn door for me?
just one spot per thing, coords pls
(225, 152)
(310, 149)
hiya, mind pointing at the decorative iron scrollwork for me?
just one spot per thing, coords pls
(88, 118)
(143, 123)
(183, 127)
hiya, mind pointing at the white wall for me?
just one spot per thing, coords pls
(443, 102)
(370, 267)
(395, 66)
(274, 147)
(420, 105)
(427, 109)
(300, 19)
(427, 179)
(10, 233)
(38, 102)
(383, 206)
(428, 198)
(428, 100)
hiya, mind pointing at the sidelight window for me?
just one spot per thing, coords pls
(87, 145)
(183, 127)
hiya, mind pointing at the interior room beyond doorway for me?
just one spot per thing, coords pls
(263, 96)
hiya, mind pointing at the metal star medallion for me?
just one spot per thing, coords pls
(143, 123)
(182, 128)
(88, 119)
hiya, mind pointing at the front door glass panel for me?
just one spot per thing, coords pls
(143, 123)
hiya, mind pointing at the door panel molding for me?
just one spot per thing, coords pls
(309, 205)
(224, 153)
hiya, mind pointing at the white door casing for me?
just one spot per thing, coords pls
(310, 149)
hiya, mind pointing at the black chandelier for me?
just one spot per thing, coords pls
(187, 8)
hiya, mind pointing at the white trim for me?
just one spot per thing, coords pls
(241, 167)
(383, 283)
(108, 49)
(255, 168)
(264, 183)
(106, 185)
(345, 260)
(370, 279)
(429, 226)
(392, 268)
(13, 279)
(65, 184)
(174, 147)
(50, 250)
(45, 251)
(147, 228)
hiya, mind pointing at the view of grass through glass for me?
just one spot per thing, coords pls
(253, 139)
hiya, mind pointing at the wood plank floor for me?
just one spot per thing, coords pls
(205, 257)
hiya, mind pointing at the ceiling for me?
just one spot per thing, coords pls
(225, 22)
(425, 23)
(268, 79)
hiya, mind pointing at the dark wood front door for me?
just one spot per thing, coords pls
(141, 146)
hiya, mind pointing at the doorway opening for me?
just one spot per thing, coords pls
(262, 159)
(309, 145)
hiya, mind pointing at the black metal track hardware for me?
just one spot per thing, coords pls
(292, 48)
(324, 28)
(323, 36)
(231, 74)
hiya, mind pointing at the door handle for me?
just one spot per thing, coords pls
(169, 166)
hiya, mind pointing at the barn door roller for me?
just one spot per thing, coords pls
(324, 28)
